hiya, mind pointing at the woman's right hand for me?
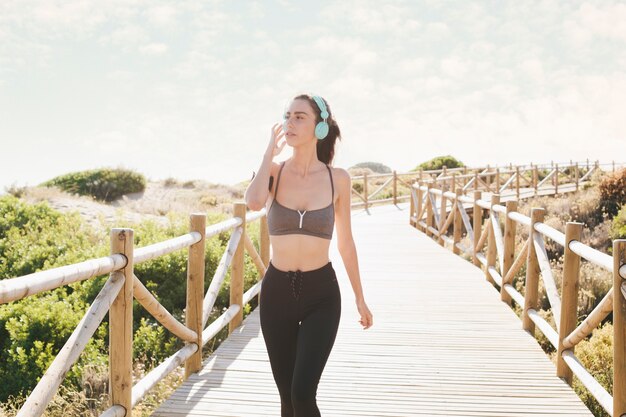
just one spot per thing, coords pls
(277, 133)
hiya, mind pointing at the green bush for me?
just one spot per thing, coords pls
(103, 184)
(618, 226)
(35, 237)
(33, 330)
(439, 162)
(613, 192)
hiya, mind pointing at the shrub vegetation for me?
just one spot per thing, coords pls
(103, 184)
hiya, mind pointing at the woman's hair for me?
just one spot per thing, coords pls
(326, 146)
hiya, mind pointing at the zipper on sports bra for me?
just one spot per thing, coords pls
(301, 214)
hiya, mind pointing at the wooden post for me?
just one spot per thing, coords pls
(264, 246)
(395, 188)
(491, 240)
(509, 248)
(497, 180)
(619, 328)
(477, 222)
(195, 290)
(576, 175)
(412, 205)
(121, 326)
(532, 272)
(613, 164)
(365, 189)
(569, 298)
(453, 182)
(535, 178)
(429, 211)
(556, 179)
(475, 180)
(458, 222)
(418, 209)
(236, 270)
(488, 178)
(517, 182)
(442, 215)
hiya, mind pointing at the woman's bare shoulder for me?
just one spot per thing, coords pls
(340, 174)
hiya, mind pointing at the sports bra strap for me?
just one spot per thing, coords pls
(331, 183)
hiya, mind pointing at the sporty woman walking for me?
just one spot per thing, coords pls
(300, 302)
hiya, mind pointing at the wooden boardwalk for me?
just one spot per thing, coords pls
(442, 344)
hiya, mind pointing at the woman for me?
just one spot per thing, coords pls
(300, 301)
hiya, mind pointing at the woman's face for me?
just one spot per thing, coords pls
(299, 122)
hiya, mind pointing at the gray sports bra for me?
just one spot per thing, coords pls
(282, 220)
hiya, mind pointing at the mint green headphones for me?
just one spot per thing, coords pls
(321, 130)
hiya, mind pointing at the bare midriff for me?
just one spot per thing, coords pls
(299, 252)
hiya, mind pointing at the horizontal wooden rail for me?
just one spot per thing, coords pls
(157, 250)
(14, 289)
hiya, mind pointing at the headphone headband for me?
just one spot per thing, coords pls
(321, 130)
(320, 103)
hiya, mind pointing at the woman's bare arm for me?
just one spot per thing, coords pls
(257, 192)
(345, 243)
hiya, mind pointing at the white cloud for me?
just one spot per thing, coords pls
(163, 15)
(534, 69)
(125, 37)
(592, 21)
(454, 67)
(198, 63)
(119, 75)
(373, 17)
(153, 49)
(437, 29)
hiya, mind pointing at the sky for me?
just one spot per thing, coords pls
(190, 88)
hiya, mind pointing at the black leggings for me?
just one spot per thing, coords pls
(299, 312)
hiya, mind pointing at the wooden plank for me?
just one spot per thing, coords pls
(442, 343)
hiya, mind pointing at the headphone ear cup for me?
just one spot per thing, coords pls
(321, 130)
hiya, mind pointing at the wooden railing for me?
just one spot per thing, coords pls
(523, 180)
(492, 247)
(117, 294)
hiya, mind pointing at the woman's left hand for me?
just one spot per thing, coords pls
(366, 316)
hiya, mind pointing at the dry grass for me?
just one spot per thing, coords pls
(158, 202)
(93, 399)
(169, 195)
